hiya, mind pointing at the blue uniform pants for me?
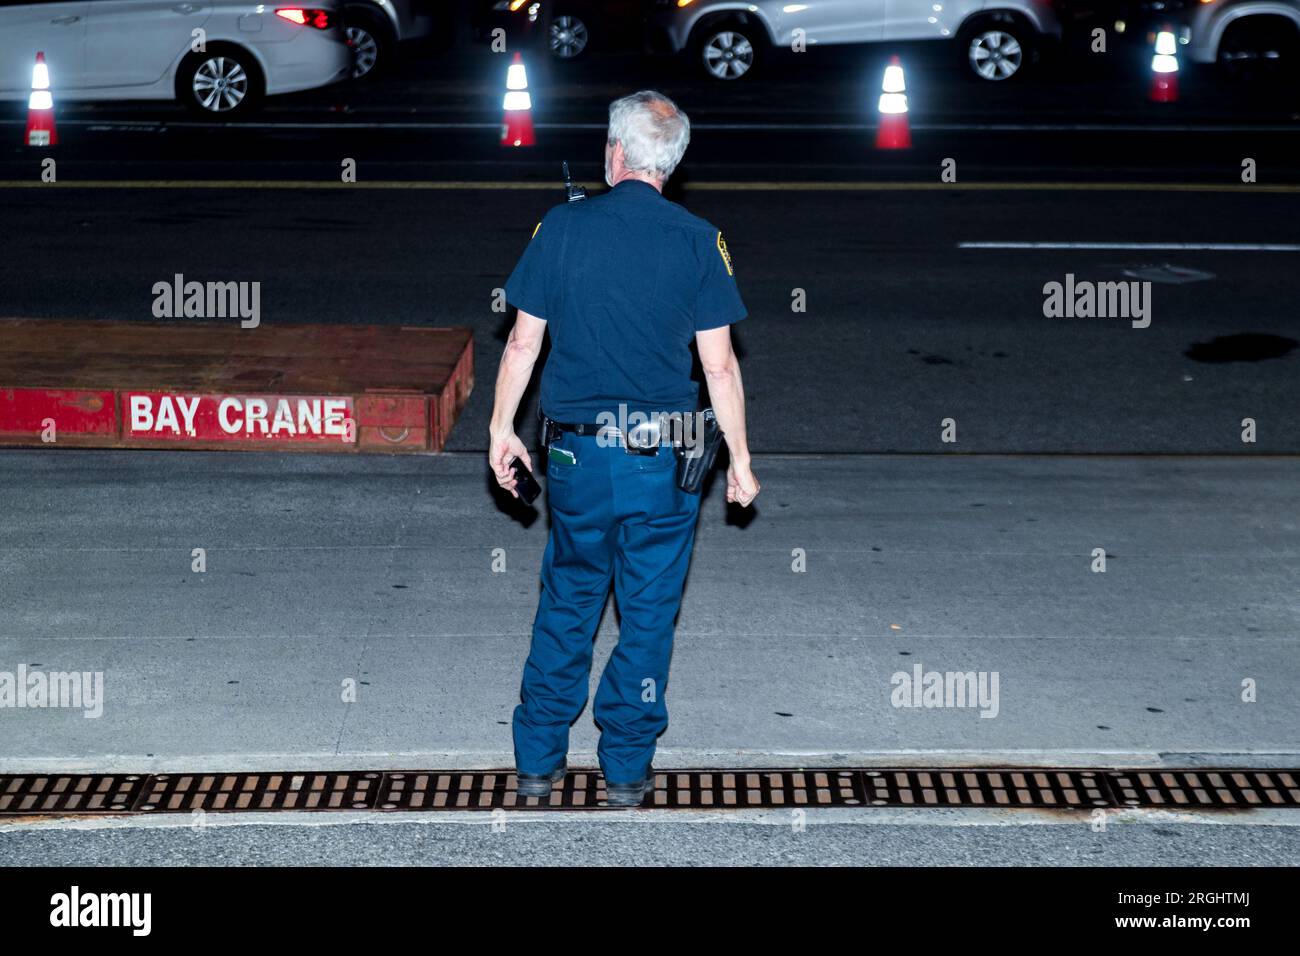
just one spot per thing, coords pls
(616, 518)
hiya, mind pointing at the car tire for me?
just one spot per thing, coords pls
(1259, 48)
(567, 36)
(371, 41)
(998, 48)
(224, 82)
(728, 50)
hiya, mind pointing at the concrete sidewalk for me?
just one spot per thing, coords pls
(325, 569)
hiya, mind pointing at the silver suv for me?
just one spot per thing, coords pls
(1246, 35)
(997, 39)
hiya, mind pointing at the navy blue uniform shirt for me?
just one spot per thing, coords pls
(624, 281)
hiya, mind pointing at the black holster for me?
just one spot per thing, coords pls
(695, 460)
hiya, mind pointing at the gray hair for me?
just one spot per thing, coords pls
(653, 130)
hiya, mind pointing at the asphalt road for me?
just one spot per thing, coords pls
(636, 842)
(903, 327)
(807, 117)
(322, 569)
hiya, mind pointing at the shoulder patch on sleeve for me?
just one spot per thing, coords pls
(539, 226)
(726, 256)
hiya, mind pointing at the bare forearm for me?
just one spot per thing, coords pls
(512, 379)
(727, 395)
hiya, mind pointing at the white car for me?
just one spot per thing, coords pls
(219, 57)
(1242, 34)
(727, 38)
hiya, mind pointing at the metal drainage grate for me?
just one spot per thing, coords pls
(764, 789)
(1050, 789)
(725, 789)
(1218, 789)
(684, 789)
(485, 790)
(69, 793)
(739, 789)
(175, 793)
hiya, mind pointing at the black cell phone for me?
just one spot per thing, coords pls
(527, 487)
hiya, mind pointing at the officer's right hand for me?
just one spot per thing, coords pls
(502, 450)
(742, 486)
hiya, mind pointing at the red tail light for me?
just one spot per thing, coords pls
(306, 17)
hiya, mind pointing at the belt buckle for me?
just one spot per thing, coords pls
(643, 438)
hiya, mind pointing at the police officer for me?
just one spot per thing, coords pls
(624, 282)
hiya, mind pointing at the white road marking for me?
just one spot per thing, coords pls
(666, 758)
(1146, 246)
(814, 816)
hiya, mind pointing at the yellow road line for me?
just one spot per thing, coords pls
(493, 185)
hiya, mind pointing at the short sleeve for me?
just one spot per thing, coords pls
(719, 301)
(526, 289)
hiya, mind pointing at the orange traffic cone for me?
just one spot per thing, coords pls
(40, 108)
(517, 127)
(893, 131)
(1164, 68)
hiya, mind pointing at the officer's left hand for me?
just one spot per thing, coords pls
(502, 450)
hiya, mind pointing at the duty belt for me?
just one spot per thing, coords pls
(643, 439)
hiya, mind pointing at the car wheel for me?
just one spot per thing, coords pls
(1259, 48)
(369, 40)
(224, 82)
(567, 37)
(727, 51)
(998, 50)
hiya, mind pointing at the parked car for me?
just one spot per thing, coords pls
(567, 28)
(519, 20)
(997, 39)
(1244, 36)
(1129, 24)
(376, 28)
(218, 57)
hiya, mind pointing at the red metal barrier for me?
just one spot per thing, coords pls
(218, 386)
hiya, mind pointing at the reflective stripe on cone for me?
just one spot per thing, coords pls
(40, 108)
(893, 130)
(517, 126)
